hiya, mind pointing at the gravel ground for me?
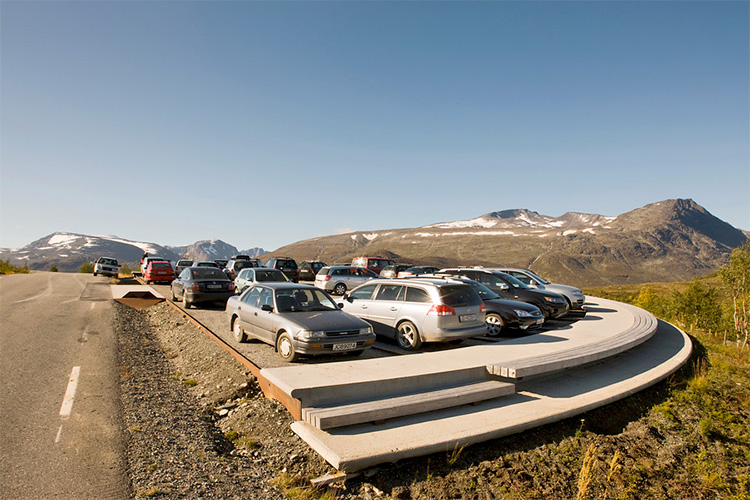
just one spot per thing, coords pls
(197, 425)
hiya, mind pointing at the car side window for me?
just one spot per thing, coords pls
(251, 297)
(390, 292)
(521, 277)
(266, 298)
(185, 275)
(363, 293)
(414, 294)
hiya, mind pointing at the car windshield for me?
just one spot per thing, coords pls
(459, 295)
(208, 273)
(483, 291)
(513, 281)
(109, 262)
(544, 281)
(303, 300)
(270, 275)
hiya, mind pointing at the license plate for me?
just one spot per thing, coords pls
(467, 317)
(214, 287)
(345, 346)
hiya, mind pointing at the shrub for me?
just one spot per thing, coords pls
(7, 268)
(87, 268)
(53, 268)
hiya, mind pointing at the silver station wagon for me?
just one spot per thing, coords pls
(414, 311)
(296, 319)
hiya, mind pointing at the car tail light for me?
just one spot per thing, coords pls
(195, 287)
(482, 307)
(231, 286)
(326, 278)
(441, 310)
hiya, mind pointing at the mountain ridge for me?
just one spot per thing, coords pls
(668, 240)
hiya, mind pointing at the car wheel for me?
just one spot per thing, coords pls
(494, 325)
(239, 332)
(174, 297)
(339, 289)
(285, 348)
(94, 273)
(407, 336)
(185, 302)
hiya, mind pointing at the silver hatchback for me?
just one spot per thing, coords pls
(418, 310)
(339, 279)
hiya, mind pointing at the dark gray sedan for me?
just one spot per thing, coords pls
(202, 284)
(297, 320)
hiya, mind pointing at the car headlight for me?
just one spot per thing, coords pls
(365, 331)
(307, 334)
(523, 314)
(552, 300)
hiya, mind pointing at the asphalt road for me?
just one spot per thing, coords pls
(61, 433)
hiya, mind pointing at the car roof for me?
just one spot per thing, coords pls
(284, 285)
(437, 281)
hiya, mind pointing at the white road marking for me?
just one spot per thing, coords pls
(59, 435)
(70, 393)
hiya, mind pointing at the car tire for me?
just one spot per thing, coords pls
(339, 289)
(174, 297)
(94, 273)
(495, 325)
(239, 332)
(285, 348)
(185, 302)
(407, 336)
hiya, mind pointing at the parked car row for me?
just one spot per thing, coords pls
(411, 304)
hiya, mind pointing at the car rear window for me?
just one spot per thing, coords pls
(459, 295)
(270, 275)
(288, 263)
(208, 273)
(161, 264)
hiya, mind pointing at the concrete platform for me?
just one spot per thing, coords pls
(614, 351)
(136, 296)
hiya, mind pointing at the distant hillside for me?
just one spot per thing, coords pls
(213, 249)
(68, 251)
(666, 241)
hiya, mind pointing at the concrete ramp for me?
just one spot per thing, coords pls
(360, 413)
(136, 296)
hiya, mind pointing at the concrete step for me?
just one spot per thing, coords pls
(377, 410)
(385, 383)
(643, 327)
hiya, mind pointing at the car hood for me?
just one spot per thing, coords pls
(511, 304)
(555, 287)
(325, 320)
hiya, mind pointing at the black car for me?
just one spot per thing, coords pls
(309, 268)
(286, 265)
(553, 305)
(202, 284)
(502, 314)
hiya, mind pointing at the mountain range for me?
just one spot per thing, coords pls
(672, 240)
(67, 251)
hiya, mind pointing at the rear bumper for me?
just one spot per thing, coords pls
(444, 335)
(161, 279)
(197, 297)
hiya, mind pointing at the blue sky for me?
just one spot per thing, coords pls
(264, 123)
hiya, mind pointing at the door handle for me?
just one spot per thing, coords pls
(393, 309)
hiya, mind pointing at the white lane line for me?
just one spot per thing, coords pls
(70, 393)
(59, 435)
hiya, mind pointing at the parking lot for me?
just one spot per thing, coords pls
(263, 355)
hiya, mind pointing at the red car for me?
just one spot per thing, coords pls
(158, 270)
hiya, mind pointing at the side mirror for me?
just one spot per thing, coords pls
(266, 307)
(340, 304)
(504, 287)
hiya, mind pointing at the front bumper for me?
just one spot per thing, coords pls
(325, 345)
